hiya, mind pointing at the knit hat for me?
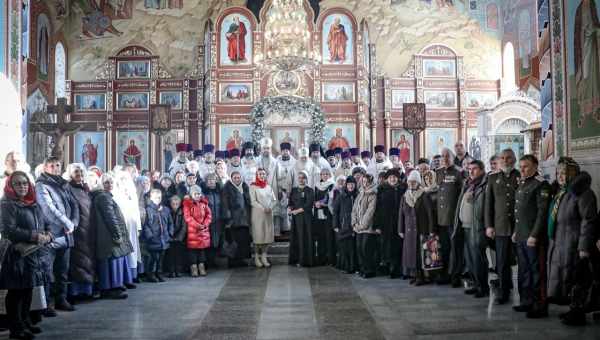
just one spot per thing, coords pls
(195, 189)
(414, 176)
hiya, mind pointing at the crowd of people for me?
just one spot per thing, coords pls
(83, 233)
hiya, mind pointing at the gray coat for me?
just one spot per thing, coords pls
(58, 205)
(574, 232)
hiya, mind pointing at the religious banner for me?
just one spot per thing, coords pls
(132, 148)
(415, 117)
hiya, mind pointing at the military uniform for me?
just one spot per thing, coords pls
(499, 215)
(450, 182)
(531, 214)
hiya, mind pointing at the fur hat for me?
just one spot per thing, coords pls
(208, 148)
(379, 148)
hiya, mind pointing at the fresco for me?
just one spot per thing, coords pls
(399, 97)
(338, 92)
(90, 148)
(438, 138)
(235, 41)
(338, 40)
(132, 148)
(583, 68)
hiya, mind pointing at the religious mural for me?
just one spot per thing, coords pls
(287, 135)
(338, 40)
(90, 148)
(132, 101)
(399, 97)
(133, 69)
(238, 93)
(340, 135)
(90, 102)
(404, 141)
(338, 92)
(438, 138)
(476, 100)
(132, 148)
(173, 98)
(236, 40)
(439, 68)
(440, 99)
(583, 68)
(232, 136)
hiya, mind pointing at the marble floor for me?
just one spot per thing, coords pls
(297, 303)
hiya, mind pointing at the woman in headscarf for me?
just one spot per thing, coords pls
(300, 207)
(342, 226)
(82, 269)
(236, 212)
(262, 200)
(113, 244)
(571, 228)
(323, 234)
(125, 195)
(25, 265)
(415, 222)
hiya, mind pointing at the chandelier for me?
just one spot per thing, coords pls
(287, 38)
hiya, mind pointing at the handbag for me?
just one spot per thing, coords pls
(431, 257)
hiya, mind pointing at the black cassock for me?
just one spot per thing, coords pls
(301, 241)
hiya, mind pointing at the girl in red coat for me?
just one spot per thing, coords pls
(197, 217)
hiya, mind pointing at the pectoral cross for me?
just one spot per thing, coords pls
(57, 128)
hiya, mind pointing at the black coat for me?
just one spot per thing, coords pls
(167, 194)
(21, 224)
(158, 227)
(386, 218)
(83, 260)
(342, 214)
(112, 236)
(214, 203)
(179, 226)
(236, 206)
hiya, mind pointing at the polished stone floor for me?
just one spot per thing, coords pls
(296, 303)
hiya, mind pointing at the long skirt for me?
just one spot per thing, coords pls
(241, 236)
(176, 258)
(114, 273)
(346, 255)
(301, 241)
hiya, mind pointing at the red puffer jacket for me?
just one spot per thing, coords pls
(197, 217)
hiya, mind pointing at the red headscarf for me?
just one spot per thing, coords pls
(259, 182)
(9, 191)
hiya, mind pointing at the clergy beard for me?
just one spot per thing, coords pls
(250, 157)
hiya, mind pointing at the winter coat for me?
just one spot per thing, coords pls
(386, 217)
(83, 255)
(179, 226)
(363, 210)
(415, 222)
(112, 236)
(262, 221)
(214, 203)
(197, 216)
(573, 232)
(158, 227)
(236, 206)
(450, 182)
(21, 223)
(342, 214)
(58, 205)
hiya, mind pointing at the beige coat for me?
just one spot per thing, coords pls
(261, 221)
(363, 210)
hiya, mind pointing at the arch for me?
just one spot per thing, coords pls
(43, 45)
(509, 82)
(133, 50)
(438, 50)
(511, 126)
(60, 71)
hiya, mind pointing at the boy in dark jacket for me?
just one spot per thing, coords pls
(156, 233)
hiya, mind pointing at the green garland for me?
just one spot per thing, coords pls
(286, 104)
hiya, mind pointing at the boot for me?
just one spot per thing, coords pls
(264, 260)
(194, 270)
(63, 305)
(202, 269)
(159, 277)
(257, 262)
(150, 277)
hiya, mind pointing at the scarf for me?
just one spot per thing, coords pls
(411, 196)
(9, 192)
(259, 182)
(324, 185)
(554, 211)
(81, 185)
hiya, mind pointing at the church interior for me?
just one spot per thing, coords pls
(109, 82)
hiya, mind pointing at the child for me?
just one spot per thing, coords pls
(197, 215)
(176, 255)
(156, 232)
